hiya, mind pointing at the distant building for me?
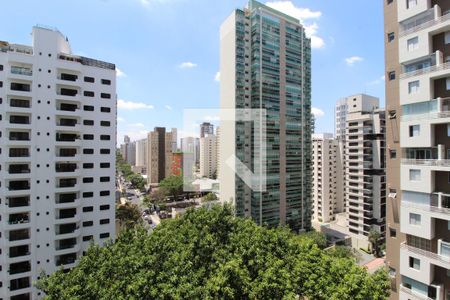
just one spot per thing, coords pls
(131, 153)
(206, 128)
(159, 155)
(327, 178)
(191, 145)
(177, 163)
(208, 156)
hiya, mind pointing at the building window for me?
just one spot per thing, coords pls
(104, 221)
(88, 224)
(105, 96)
(88, 194)
(448, 130)
(390, 36)
(106, 81)
(88, 208)
(392, 232)
(105, 151)
(104, 179)
(390, 1)
(88, 151)
(105, 137)
(411, 3)
(414, 263)
(105, 193)
(1, 67)
(447, 37)
(414, 219)
(107, 165)
(105, 109)
(87, 238)
(392, 153)
(89, 79)
(414, 175)
(88, 108)
(88, 136)
(104, 235)
(105, 123)
(88, 165)
(392, 193)
(413, 44)
(447, 84)
(414, 130)
(391, 75)
(88, 179)
(104, 207)
(88, 94)
(413, 87)
(88, 122)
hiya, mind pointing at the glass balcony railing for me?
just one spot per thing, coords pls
(21, 71)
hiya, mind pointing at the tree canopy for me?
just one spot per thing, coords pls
(210, 254)
(128, 214)
(172, 186)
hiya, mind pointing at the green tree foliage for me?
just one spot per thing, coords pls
(136, 180)
(128, 214)
(315, 237)
(172, 185)
(210, 254)
(374, 239)
(209, 197)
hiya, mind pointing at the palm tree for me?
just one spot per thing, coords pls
(374, 239)
(128, 214)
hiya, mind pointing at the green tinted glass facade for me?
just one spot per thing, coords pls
(273, 72)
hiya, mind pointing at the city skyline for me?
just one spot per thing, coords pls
(191, 58)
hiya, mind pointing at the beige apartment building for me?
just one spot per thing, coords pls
(208, 156)
(327, 180)
(417, 46)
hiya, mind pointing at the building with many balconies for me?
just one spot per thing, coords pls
(57, 158)
(417, 46)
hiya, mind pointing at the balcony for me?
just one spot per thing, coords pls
(19, 152)
(20, 267)
(13, 202)
(410, 294)
(67, 92)
(19, 136)
(21, 218)
(431, 67)
(431, 257)
(67, 152)
(20, 87)
(67, 183)
(19, 103)
(427, 162)
(14, 119)
(19, 283)
(67, 137)
(65, 168)
(66, 259)
(67, 122)
(19, 185)
(68, 107)
(18, 235)
(19, 169)
(428, 20)
(19, 251)
(65, 244)
(21, 71)
(68, 77)
(67, 213)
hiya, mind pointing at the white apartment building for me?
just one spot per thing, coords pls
(208, 156)
(191, 145)
(359, 102)
(131, 153)
(418, 99)
(327, 180)
(57, 158)
(364, 174)
(141, 153)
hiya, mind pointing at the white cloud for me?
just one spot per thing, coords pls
(212, 118)
(377, 81)
(301, 14)
(137, 125)
(290, 9)
(119, 73)
(187, 65)
(217, 77)
(133, 134)
(168, 107)
(353, 59)
(317, 112)
(130, 105)
(145, 2)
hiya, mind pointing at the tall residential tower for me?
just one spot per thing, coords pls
(417, 46)
(266, 64)
(57, 158)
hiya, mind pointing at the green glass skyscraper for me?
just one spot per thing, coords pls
(266, 64)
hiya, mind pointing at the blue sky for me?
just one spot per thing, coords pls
(168, 50)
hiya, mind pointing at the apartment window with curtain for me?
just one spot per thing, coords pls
(447, 37)
(447, 83)
(413, 87)
(414, 219)
(414, 175)
(413, 44)
(414, 263)
(411, 3)
(414, 130)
